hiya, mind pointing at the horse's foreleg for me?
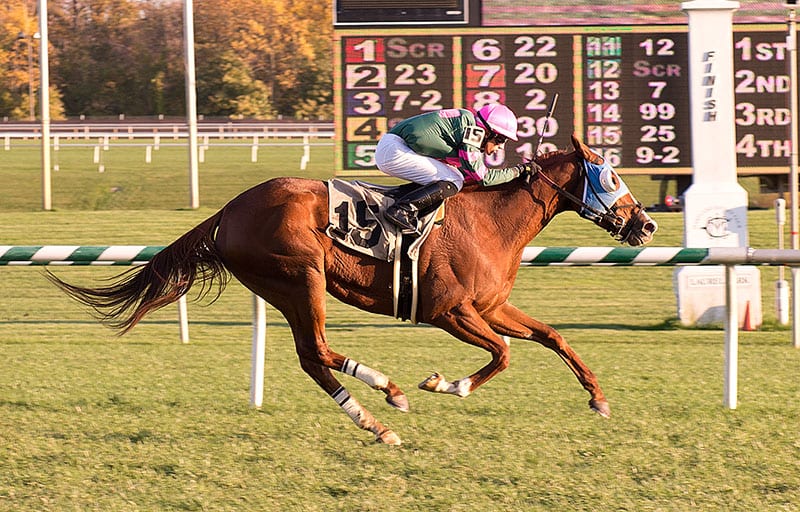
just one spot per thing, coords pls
(465, 323)
(507, 320)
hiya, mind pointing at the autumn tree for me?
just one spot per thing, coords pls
(254, 58)
(19, 56)
(118, 57)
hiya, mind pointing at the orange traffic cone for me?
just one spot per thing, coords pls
(747, 325)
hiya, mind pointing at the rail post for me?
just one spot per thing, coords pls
(730, 374)
(258, 351)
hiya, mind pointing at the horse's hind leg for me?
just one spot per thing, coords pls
(360, 416)
(374, 379)
(306, 316)
(311, 346)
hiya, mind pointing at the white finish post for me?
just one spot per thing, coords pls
(715, 193)
(259, 349)
(730, 379)
(715, 205)
(183, 320)
(191, 101)
(44, 91)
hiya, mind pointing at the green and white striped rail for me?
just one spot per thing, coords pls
(77, 254)
(657, 256)
(531, 256)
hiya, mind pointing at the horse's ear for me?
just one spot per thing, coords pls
(584, 150)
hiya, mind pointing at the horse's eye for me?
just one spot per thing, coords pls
(609, 180)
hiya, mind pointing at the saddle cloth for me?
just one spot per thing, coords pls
(355, 219)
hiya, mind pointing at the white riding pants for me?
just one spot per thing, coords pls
(395, 158)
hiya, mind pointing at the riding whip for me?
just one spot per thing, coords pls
(550, 110)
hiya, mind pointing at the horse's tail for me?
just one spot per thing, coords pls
(163, 280)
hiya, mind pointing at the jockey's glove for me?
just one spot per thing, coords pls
(527, 168)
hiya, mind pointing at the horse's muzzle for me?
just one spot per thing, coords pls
(639, 230)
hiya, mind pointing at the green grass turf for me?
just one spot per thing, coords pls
(89, 421)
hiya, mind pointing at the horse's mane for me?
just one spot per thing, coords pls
(552, 157)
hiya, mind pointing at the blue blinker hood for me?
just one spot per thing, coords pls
(595, 194)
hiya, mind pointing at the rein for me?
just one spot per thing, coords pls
(608, 219)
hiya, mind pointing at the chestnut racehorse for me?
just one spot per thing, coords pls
(272, 239)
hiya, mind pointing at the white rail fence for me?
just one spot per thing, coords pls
(152, 136)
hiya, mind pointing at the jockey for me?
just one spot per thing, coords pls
(442, 151)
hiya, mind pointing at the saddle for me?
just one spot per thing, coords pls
(355, 221)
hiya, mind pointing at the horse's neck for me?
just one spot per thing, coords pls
(527, 210)
(569, 179)
(517, 212)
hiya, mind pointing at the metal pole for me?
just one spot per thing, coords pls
(191, 101)
(730, 379)
(781, 285)
(44, 86)
(791, 44)
(183, 320)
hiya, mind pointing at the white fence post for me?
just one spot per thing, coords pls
(183, 320)
(259, 349)
(730, 378)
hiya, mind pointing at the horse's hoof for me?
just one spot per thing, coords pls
(399, 402)
(433, 383)
(601, 407)
(388, 437)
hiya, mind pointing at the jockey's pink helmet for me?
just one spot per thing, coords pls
(498, 118)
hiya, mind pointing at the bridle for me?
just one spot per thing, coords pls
(607, 218)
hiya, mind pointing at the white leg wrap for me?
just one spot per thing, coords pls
(349, 404)
(370, 377)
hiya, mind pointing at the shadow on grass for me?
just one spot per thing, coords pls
(221, 323)
(670, 324)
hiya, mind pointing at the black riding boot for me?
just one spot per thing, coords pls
(404, 211)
